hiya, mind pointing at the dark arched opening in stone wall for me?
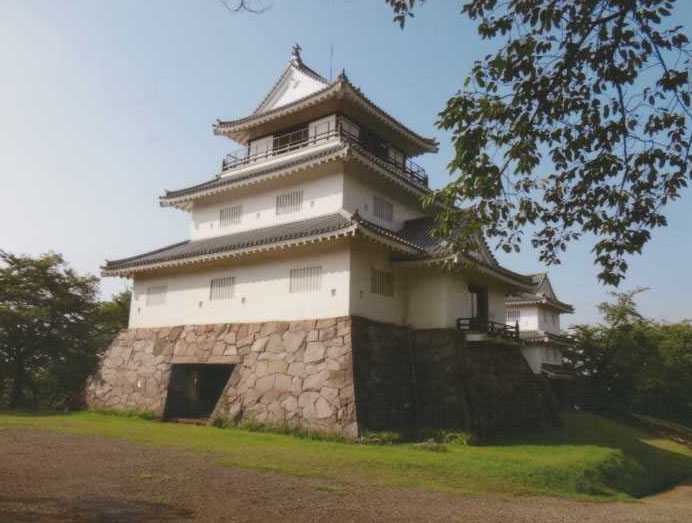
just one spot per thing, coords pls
(195, 389)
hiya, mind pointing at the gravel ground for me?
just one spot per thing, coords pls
(59, 477)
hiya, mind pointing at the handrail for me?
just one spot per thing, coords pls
(300, 139)
(485, 326)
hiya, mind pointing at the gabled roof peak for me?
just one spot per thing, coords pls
(296, 82)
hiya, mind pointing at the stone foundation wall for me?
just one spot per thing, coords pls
(340, 375)
(295, 373)
(433, 378)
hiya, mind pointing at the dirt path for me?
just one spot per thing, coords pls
(58, 477)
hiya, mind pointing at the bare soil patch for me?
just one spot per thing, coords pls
(49, 476)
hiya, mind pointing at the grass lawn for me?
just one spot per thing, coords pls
(590, 457)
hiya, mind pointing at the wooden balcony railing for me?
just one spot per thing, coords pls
(489, 327)
(300, 139)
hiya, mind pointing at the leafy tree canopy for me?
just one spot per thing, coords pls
(579, 123)
(632, 364)
(51, 328)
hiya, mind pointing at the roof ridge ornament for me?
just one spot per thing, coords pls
(296, 59)
(342, 75)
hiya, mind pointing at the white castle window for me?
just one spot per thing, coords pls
(383, 209)
(305, 279)
(221, 288)
(381, 282)
(513, 315)
(230, 215)
(289, 202)
(156, 295)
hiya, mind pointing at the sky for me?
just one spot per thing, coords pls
(104, 104)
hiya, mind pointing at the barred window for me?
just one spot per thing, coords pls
(156, 295)
(289, 202)
(305, 279)
(230, 215)
(513, 315)
(383, 209)
(381, 282)
(221, 288)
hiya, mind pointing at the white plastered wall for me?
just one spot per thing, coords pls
(321, 195)
(389, 309)
(359, 196)
(535, 317)
(437, 298)
(295, 86)
(261, 292)
(528, 317)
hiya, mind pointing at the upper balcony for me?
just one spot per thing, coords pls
(335, 129)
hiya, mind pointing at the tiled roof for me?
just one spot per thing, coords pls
(535, 297)
(328, 153)
(528, 298)
(234, 242)
(420, 231)
(414, 239)
(224, 181)
(340, 84)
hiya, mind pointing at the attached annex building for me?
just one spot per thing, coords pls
(310, 281)
(537, 315)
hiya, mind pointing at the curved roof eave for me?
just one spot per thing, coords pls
(340, 151)
(342, 86)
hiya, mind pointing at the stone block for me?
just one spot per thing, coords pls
(296, 369)
(258, 346)
(327, 333)
(316, 381)
(275, 343)
(323, 324)
(323, 409)
(273, 327)
(265, 384)
(283, 383)
(314, 352)
(331, 394)
(290, 405)
(293, 340)
(277, 367)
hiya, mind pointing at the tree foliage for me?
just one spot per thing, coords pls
(51, 329)
(632, 364)
(579, 123)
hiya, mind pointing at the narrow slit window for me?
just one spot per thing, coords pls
(156, 295)
(305, 279)
(289, 202)
(381, 282)
(222, 288)
(383, 209)
(230, 215)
